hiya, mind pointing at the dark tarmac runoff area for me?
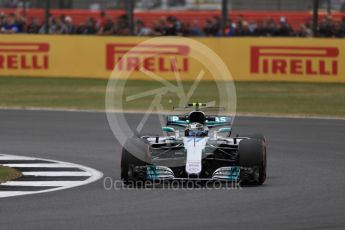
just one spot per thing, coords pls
(304, 189)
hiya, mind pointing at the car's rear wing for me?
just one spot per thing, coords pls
(204, 109)
(211, 121)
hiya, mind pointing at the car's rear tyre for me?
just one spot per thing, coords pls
(134, 153)
(252, 154)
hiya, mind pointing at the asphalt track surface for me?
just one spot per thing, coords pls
(305, 188)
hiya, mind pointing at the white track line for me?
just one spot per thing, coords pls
(93, 175)
(258, 115)
(40, 165)
(12, 157)
(9, 194)
(65, 173)
(39, 183)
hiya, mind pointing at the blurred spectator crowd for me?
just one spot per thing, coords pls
(170, 26)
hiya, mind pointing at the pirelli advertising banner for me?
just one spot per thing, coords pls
(248, 59)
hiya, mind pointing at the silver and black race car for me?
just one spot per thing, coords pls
(197, 145)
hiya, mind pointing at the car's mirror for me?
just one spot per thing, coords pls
(168, 129)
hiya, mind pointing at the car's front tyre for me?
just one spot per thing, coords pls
(134, 153)
(252, 154)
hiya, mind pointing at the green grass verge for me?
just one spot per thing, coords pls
(252, 97)
(7, 174)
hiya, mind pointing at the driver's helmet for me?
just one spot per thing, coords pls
(196, 130)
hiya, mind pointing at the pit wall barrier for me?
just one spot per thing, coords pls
(248, 59)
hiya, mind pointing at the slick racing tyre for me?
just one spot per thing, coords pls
(134, 153)
(252, 154)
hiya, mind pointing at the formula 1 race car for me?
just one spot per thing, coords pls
(197, 146)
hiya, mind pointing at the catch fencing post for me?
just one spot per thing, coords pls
(315, 17)
(224, 18)
(47, 16)
(130, 13)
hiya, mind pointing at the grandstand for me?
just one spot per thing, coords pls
(295, 16)
(271, 5)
